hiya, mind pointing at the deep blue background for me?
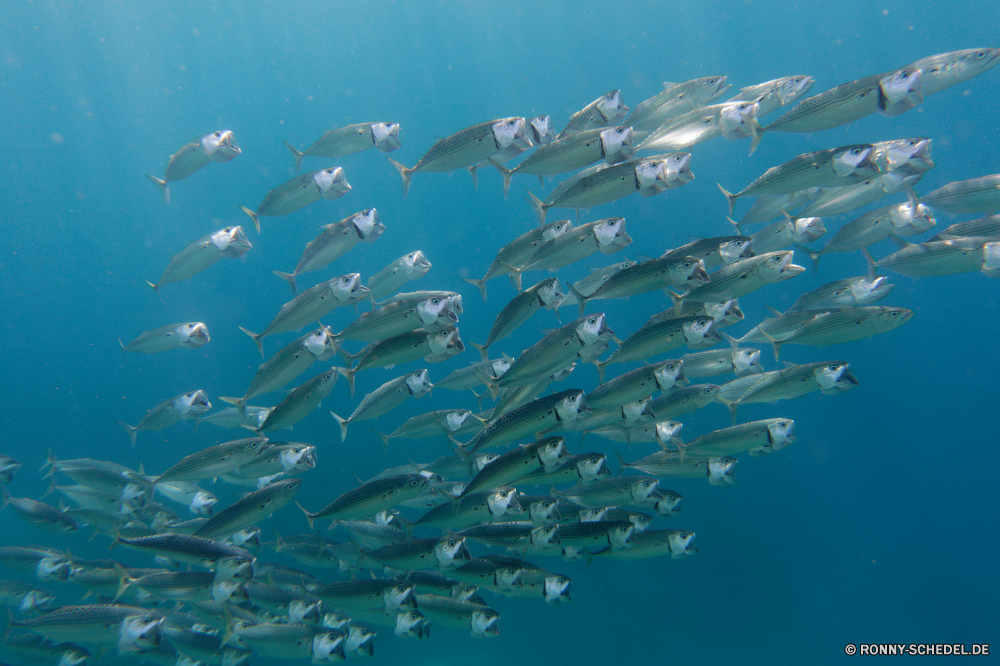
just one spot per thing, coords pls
(879, 525)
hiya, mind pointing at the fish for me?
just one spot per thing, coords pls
(606, 183)
(189, 586)
(696, 332)
(247, 511)
(281, 458)
(822, 168)
(944, 257)
(533, 417)
(618, 491)
(557, 349)
(8, 468)
(773, 206)
(294, 641)
(311, 305)
(444, 553)
(606, 110)
(197, 500)
(581, 468)
(471, 509)
(41, 515)
(730, 120)
(828, 377)
(189, 335)
(654, 543)
(216, 460)
(299, 192)
(387, 397)
(467, 147)
(480, 620)
(411, 266)
(26, 598)
(607, 235)
(517, 252)
(433, 347)
(744, 277)
(774, 94)
(715, 362)
(288, 363)
(35, 649)
(671, 271)
(573, 152)
(95, 625)
(775, 433)
(439, 422)
(598, 276)
(791, 231)
(719, 471)
(351, 139)
(300, 402)
(546, 294)
(233, 417)
(392, 319)
(547, 454)
(984, 226)
(219, 146)
(228, 243)
(188, 405)
(675, 100)
(383, 595)
(540, 133)
(900, 220)
(717, 251)
(847, 293)
(638, 383)
(370, 498)
(334, 242)
(976, 195)
(829, 327)
(944, 70)
(476, 374)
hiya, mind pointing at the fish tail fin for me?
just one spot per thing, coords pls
(162, 184)
(506, 173)
(478, 284)
(131, 430)
(579, 296)
(253, 216)
(813, 255)
(297, 154)
(484, 351)
(349, 375)
(256, 338)
(539, 207)
(347, 356)
(49, 464)
(601, 366)
(733, 406)
(733, 342)
(678, 301)
(289, 278)
(515, 275)
(756, 134)
(156, 288)
(385, 439)
(343, 426)
(404, 173)
(479, 398)
(11, 622)
(278, 543)
(731, 198)
(124, 580)
(736, 226)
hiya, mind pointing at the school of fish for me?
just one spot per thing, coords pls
(426, 544)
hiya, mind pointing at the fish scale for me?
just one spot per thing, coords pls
(92, 624)
(630, 386)
(946, 257)
(976, 195)
(216, 460)
(855, 99)
(402, 348)
(676, 99)
(608, 492)
(517, 252)
(733, 440)
(807, 170)
(453, 145)
(385, 322)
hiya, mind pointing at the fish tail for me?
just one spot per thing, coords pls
(347, 356)
(515, 275)
(484, 351)
(479, 398)
(579, 296)
(343, 427)
(278, 543)
(621, 461)
(385, 439)
(298, 156)
(124, 580)
(349, 375)
(478, 284)
(601, 366)
(539, 207)
(756, 134)
(131, 430)
(733, 342)
(253, 216)
(678, 300)
(813, 255)
(731, 198)
(49, 464)
(256, 338)
(506, 173)
(736, 226)
(405, 173)
(162, 184)
(289, 278)
(733, 406)
(156, 288)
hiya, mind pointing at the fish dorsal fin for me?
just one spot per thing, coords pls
(773, 311)
(695, 239)
(901, 243)
(667, 84)
(360, 482)
(869, 262)
(789, 365)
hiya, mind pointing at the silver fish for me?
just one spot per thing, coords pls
(439, 422)
(335, 241)
(184, 406)
(775, 434)
(671, 271)
(944, 70)
(905, 219)
(774, 94)
(712, 252)
(780, 235)
(480, 620)
(389, 280)
(606, 110)
(228, 243)
(467, 147)
(714, 362)
(370, 498)
(546, 294)
(831, 327)
(351, 139)
(288, 363)
(639, 383)
(945, 257)
(190, 335)
(557, 349)
(545, 454)
(433, 347)
(431, 314)
(607, 235)
(675, 100)
(696, 332)
(730, 120)
(744, 277)
(533, 417)
(218, 146)
(41, 515)
(247, 511)
(828, 377)
(299, 192)
(387, 397)
(300, 402)
(977, 195)
(216, 460)
(517, 252)
(294, 641)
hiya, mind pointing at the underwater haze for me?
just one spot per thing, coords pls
(877, 526)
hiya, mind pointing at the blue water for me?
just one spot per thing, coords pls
(878, 526)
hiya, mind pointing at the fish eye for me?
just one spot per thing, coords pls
(981, 55)
(218, 134)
